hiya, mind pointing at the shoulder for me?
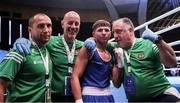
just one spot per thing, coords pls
(79, 43)
(53, 40)
(144, 42)
(146, 45)
(111, 46)
(14, 55)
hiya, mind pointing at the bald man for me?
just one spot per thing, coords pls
(63, 51)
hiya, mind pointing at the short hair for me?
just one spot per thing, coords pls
(32, 18)
(125, 20)
(100, 23)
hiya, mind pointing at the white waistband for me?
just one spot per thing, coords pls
(172, 91)
(96, 91)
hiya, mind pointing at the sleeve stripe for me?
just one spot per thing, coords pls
(14, 55)
(13, 59)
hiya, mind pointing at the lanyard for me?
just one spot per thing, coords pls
(128, 61)
(128, 57)
(70, 54)
(45, 62)
(47, 82)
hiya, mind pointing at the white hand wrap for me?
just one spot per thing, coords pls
(79, 101)
(119, 56)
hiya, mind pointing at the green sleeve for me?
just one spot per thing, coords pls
(11, 65)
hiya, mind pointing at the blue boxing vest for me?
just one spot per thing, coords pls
(98, 72)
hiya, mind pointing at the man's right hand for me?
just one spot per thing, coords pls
(23, 45)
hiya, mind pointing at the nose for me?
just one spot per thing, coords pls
(115, 36)
(103, 31)
(73, 25)
(46, 28)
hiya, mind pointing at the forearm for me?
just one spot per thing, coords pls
(1, 95)
(3, 86)
(76, 88)
(117, 76)
(117, 73)
(78, 71)
(167, 55)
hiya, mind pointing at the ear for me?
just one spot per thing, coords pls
(62, 23)
(29, 29)
(92, 33)
(131, 30)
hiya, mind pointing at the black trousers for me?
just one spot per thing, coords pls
(63, 99)
(166, 98)
(162, 98)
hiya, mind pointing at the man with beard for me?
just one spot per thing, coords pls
(63, 51)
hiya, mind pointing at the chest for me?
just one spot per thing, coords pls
(60, 55)
(34, 64)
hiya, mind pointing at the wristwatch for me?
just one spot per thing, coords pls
(158, 39)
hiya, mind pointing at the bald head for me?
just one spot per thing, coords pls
(71, 14)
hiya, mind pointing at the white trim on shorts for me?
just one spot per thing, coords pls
(96, 91)
(172, 91)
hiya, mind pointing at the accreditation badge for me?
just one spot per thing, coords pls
(129, 85)
(70, 67)
(68, 86)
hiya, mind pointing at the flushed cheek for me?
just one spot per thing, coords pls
(108, 37)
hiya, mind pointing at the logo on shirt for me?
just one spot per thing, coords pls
(37, 62)
(141, 55)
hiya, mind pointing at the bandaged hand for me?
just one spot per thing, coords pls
(119, 56)
(79, 101)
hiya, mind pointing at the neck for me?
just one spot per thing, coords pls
(131, 44)
(38, 44)
(101, 48)
(67, 39)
